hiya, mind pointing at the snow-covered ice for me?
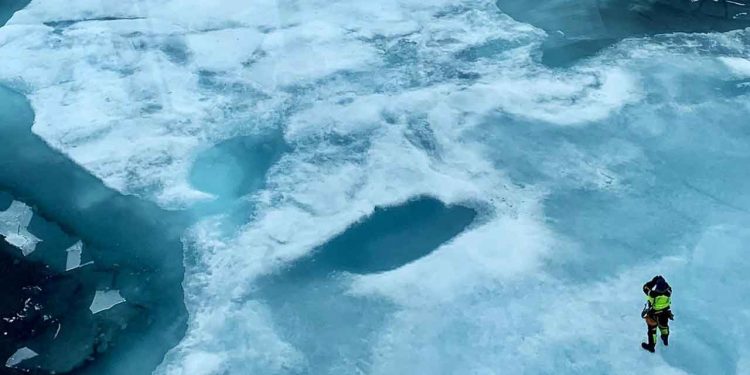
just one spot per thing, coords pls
(590, 179)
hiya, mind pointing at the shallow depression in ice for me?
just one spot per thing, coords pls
(238, 166)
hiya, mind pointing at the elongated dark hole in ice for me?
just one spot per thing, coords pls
(390, 238)
(309, 305)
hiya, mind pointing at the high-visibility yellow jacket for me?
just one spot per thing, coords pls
(658, 294)
(659, 302)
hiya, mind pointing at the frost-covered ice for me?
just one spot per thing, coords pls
(19, 356)
(593, 178)
(14, 223)
(105, 300)
(169, 82)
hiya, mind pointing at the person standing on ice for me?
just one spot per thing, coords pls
(657, 312)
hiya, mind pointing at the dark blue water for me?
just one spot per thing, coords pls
(5, 201)
(135, 247)
(8, 7)
(388, 239)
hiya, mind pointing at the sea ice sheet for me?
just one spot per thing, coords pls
(592, 178)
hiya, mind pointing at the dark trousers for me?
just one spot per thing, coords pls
(660, 320)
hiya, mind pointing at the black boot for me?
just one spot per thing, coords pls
(665, 339)
(651, 345)
(648, 347)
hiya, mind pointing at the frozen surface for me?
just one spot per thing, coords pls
(579, 29)
(587, 179)
(14, 223)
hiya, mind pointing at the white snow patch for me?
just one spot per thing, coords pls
(223, 49)
(737, 65)
(202, 363)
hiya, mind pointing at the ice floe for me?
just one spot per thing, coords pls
(105, 300)
(14, 224)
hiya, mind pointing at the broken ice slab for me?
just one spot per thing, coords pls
(19, 356)
(13, 225)
(105, 300)
(74, 256)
